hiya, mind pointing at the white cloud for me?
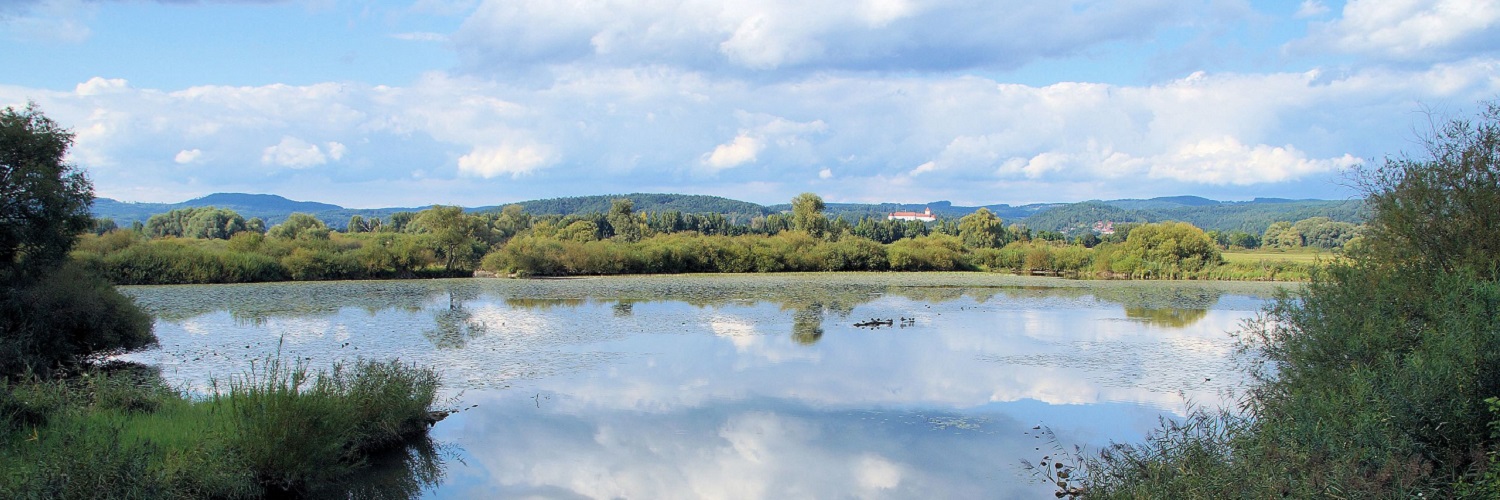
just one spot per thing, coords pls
(825, 174)
(766, 130)
(493, 161)
(336, 150)
(51, 21)
(734, 153)
(924, 168)
(896, 137)
(98, 86)
(294, 153)
(187, 156)
(1410, 30)
(1311, 8)
(1226, 161)
(503, 35)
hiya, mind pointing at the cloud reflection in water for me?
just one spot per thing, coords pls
(744, 386)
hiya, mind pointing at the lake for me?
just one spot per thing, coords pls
(741, 386)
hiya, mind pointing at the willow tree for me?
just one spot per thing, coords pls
(982, 229)
(807, 215)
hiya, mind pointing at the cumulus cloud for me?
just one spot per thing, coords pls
(187, 156)
(1410, 30)
(1214, 161)
(98, 86)
(888, 138)
(295, 153)
(336, 150)
(1311, 8)
(1225, 160)
(737, 152)
(493, 161)
(767, 130)
(799, 35)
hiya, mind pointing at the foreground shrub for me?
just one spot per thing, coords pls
(67, 317)
(1371, 384)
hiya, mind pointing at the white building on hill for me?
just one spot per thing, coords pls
(925, 216)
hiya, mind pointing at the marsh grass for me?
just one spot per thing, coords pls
(277, 429)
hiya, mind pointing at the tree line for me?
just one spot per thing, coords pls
(214, 245)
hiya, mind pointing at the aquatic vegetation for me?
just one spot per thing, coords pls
(279, 428)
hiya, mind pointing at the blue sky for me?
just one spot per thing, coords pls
(483, 102)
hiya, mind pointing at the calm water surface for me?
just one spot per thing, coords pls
(755, 386)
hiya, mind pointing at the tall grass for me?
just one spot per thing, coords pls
(278, 428)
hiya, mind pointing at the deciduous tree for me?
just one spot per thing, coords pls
(807, 214)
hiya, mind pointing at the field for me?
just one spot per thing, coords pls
(1300, 255)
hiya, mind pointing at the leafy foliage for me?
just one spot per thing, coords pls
(44, 201)
(807, 215)
(51, 315)
(1378, 379)
(201, 222)
(1441, 211)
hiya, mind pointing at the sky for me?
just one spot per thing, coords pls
(485, 102)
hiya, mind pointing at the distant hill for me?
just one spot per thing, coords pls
(269, 207)
(644, 202)
(1074, 217)
(274, 209)
(1250, 216)
(943, 209)
(241, 202)
(1254, 216)
(1165, 202)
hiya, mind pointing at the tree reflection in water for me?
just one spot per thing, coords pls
(807, 324)
(1171, 318)
(456, 324)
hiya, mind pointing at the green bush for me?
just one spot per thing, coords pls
(308, 264)
(935, 252)
(67, 317)
(1371, 384)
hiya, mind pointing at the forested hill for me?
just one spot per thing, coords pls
(1070, 218)
(1249, 216)
(273, 208)
(943, 209)
(644, 202)
(268, 207)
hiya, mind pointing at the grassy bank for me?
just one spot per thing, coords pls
(1155, 251)
(798, 252)
(277, 429)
